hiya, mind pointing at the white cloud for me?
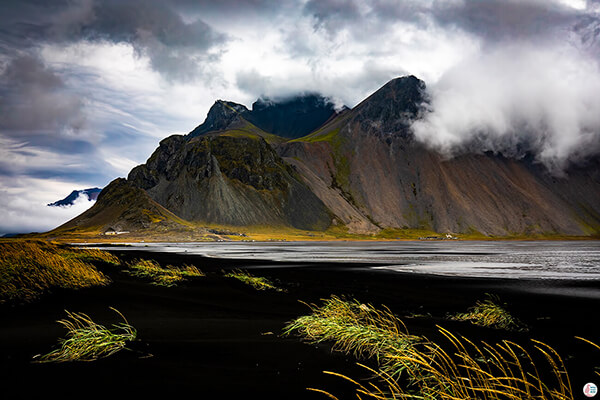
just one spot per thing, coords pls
(518, 98)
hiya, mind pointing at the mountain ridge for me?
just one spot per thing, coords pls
(362, 172)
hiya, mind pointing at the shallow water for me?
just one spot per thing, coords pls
(578, 260)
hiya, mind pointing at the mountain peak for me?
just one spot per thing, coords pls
(221, 115)
(392, 108)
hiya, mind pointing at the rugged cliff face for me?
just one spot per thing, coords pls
(229, 179)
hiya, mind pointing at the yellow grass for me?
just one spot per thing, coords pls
(491, 313)
(414, 367)
(30, 268)
(163, 276)
(89, 341)
(257, 282)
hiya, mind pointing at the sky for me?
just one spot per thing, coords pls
(89, 87)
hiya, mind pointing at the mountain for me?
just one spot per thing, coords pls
(360, 171)
(291, 117)
(91, 194)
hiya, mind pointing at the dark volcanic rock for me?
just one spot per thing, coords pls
(361, 168)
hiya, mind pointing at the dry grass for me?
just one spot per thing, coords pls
(30, 268)
(257, 282)
(163, 276)
(491, 313)
(413, 367)
(89, 341)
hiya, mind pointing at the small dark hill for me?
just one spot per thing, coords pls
(91, 194)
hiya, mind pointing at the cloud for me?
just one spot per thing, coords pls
(35, 99)
(515, 100)
(502, 20)
(178, 49)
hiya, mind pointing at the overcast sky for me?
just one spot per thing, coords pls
(89, 87)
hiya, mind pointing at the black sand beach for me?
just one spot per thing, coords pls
(214, 337)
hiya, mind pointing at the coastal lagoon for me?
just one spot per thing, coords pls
(564, 260)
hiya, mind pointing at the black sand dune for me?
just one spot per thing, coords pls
(214, 337)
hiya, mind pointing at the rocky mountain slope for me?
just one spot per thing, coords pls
(372, 173)
(233, 178)
(360, 170)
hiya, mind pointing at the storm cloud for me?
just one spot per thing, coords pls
(35, 100)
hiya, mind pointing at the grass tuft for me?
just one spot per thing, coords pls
(90, 255)
(168, 276)
(89, 341)
(30, 268)
(257, 282)
(413, 367)
(491, 313)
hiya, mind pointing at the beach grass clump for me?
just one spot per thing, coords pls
(257, 282)
(353, 327)
(29, 268)
(89, 341)
(414, 367)
(90, 255)
(168, 276)
(491, 313)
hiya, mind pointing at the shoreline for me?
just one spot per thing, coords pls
(217, 336)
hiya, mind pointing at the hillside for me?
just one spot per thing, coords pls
(122, 207)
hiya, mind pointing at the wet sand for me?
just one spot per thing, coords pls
(216, 337)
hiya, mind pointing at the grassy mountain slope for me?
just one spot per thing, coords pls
(123, 207)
